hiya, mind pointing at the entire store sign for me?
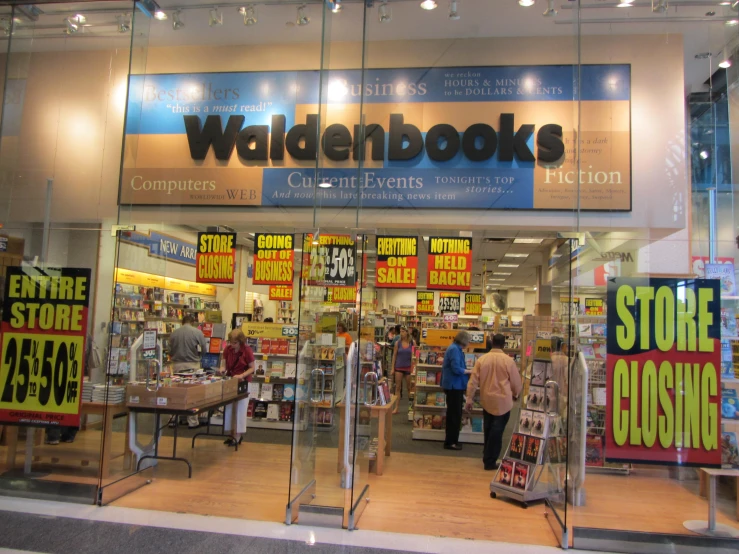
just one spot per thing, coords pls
(473, 303)
(594, 306)
(43, 327)
(449, 265)
(460, 137)
(449, 302)
(397, 263)
(663, 364)
(280, 292)
(273, 259)
(424, 302)
(216, 258)
(331, 262)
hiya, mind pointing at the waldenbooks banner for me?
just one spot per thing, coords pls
(44, 326)
(243, 139)
(424, 302)
(397, 263)
(273, 259)
(473, 303)
(215, 261)
(449, 302)
(449, 265)
(330, 262)
(663, 364)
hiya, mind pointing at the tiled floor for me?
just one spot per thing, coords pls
(63, 528)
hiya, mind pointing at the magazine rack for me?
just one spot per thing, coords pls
(533, 467)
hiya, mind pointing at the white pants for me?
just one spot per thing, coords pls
(241, 408)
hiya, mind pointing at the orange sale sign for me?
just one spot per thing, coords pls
(397, 263)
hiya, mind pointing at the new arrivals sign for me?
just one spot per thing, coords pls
(663, 363)
(475, 137)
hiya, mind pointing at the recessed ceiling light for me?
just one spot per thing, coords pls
(497, 279)
(324, 185)
(429, 4)
(508, 265)
(526, 3)
(528, 241)
(160, 15)
(516, 255)
(500, 273)
(732, 22)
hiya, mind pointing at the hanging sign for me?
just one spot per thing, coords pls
(449, 302)
(663, 362)
(424, 302)
(397, 263)
(451, 318)
(280, 292)
(724, 272)
(149, 348)
(472, 303)
(330, 262)
(269, 330)
(43, 330)
(273, 259)
(216, 258)
(449, 263)
(340, 295)
(594, 306)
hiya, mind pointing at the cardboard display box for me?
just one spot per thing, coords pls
(177, 397)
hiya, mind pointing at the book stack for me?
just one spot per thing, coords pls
(112, 394)
(87, 391)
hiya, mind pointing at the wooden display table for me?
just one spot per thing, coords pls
(710, 528)
(385, 432)
(108, 411)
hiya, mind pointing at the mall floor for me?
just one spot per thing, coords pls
(425, 490)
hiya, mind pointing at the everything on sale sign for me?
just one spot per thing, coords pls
(424, 302)
(397, 263)
(663, 364)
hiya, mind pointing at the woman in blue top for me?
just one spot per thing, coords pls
(454, 382)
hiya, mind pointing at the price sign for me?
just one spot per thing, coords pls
(43, 345)
(331, 262)
(149, 350)
(451, 318)
(290, 331)
(449, 302)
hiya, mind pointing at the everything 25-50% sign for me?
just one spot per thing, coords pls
(332, 261)
(43, 345)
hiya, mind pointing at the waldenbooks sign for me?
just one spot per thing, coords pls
(397, 263)
(474, 137)
(664, 357)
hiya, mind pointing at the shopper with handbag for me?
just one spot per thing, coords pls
(454, 382)
(238, 364)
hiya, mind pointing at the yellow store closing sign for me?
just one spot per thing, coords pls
(43, 346)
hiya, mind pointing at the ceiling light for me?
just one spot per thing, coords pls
(725, 62)
(453, 12)
(500, 273)
(625, 4)
(535, 288)
(335, 6)
(732, 22)
(660, 6)
(516, 255)
(160, 15)
(325, 185)
(79, 18)
(550, 11)
(527, 241)
(383, 12)
(429, 5)
(71, 26)
(215, 17)
(124, 23)
(498, 279)
(508, 265)
(177, 22)
(526, 3)
(703, 154)
(302, 19)
(316, 238)
(249, 13)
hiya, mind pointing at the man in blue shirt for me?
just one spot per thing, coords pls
(454, 382)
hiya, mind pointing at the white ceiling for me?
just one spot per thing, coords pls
(479, 18)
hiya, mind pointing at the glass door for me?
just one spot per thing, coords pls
(322, 469)
(560, 441)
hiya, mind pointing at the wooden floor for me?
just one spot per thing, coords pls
(419, 494)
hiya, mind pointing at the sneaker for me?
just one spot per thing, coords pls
(492, 467)
(52, 442)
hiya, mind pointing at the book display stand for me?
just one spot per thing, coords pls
(534, 465)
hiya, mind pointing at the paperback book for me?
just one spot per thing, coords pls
(538, 373)
(525, 422)
(539, 426)
(505, 473)
(518, 442)
(533, 451)
(521, 473)
(535, 398)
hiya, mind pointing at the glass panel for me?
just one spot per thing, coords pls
(64, 85)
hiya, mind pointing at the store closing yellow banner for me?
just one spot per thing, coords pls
(131, 277)
(215, 260)
(472, 304)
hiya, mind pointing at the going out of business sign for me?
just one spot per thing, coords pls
(663, 365)
(462, 137)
